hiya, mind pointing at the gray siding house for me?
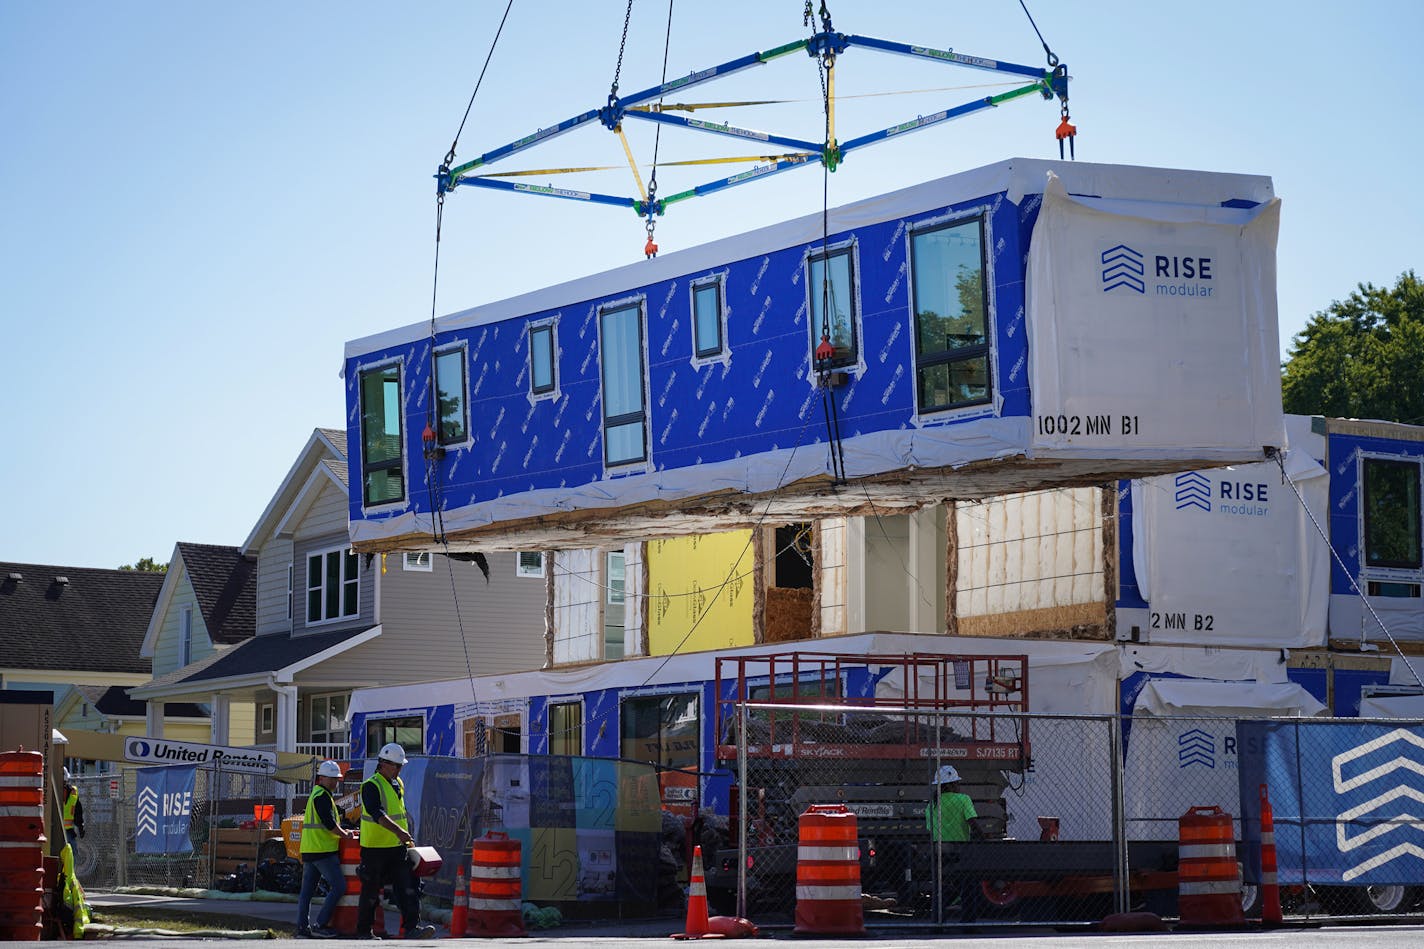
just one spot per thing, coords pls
(328, 620)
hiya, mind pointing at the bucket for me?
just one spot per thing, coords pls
(262, 814)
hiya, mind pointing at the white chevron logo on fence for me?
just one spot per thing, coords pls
(1404, 822)
(146, 820)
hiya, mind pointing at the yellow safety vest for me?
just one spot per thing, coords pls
(69, 804)
(315, 837)
(373, 833)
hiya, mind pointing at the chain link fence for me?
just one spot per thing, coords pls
(1078, 816)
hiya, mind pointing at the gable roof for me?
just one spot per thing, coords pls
(94, 622)
(225, 584)
(325, 444)
(276, 653)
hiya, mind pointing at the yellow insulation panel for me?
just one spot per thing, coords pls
(687, 611)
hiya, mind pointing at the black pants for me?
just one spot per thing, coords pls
(381, 866)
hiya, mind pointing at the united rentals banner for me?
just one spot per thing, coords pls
(1343, 795)
(160, 750)
(162, 809)
(1154, 329)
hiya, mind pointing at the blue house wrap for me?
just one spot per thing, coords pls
(690, 380)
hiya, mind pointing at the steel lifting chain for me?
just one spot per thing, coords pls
(622, 45)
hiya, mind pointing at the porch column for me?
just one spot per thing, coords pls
(153, 718)
(220, 718)
(286, 717)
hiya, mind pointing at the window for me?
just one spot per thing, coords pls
(266, 721)
(1385, 588)
(333, 587)
(531, 564)
(328, 719)
(707, 317)
(450, 396)
(951, 321)
(830, 287)
(185, 637)
(614, 611)
(382, 464)
(1391, 513)
(541, 358)
(621, 357)
(566, 729)
(661, 729)
(291, 578)
(420, 561)
(408, 732)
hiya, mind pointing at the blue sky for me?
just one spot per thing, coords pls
(200, 203)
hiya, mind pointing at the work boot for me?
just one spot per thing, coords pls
(423, 931)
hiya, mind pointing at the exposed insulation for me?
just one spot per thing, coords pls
(788, 614)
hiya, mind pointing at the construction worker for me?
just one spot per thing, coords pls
(72, 810)
(950, 818)
(321, 844)
(385, 835)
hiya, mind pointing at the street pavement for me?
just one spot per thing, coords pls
(578, 934)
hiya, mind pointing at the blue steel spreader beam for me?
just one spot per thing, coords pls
(825, 45)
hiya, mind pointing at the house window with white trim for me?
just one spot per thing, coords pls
(531, 564)
(952, 345)
(291, 579)
(416, 561)
(328, 718)
(333, 586)
(185, 637)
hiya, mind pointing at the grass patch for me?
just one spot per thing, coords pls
(149, 917)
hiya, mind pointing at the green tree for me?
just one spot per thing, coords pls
(1361, 357)
(146, 565)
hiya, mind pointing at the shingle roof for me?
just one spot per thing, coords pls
(114, 700)
(94, 623)
(339, 469)
(337, 437)
(225, 583)
(268, 653)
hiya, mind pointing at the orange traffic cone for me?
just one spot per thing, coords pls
(460, 909)
(696, 926)
(1270, 886)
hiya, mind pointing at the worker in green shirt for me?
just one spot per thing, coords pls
(950, 819)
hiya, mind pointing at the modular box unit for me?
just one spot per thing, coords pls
(1018, 326)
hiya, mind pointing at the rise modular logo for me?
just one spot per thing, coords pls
(1193, 490)
(146, 820)
(1400, 778)
(1123, 269)
(1196, 747)
(1168, 275)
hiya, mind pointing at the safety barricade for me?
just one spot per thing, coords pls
(496, 888)
(1208, 879)
(460, 905)
(22, 843)
(344, 919)
(1270, 884)
(828, 898)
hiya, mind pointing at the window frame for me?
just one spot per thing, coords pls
(850, 249)
(373, 741)
(661, 696)
(266, 719)
(1393, 569)
(464, 436)
(416, 566)
(399, 464)
(312, 732)
(185, 636)
(948, 357)
(522, 571)
(347, 556)
(551, 328)
(291, 585)
(640, 417)
(572, 703)
(718, 283)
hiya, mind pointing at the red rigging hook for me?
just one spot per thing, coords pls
(1066, 130)
(650, 249)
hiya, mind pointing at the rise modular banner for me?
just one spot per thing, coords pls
(163, 808)
(1154, 329)
(1344, 796)
(1230, 556)
(451, 815)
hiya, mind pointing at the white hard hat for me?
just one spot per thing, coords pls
(947, 774)
(392, 752)
(330, 769)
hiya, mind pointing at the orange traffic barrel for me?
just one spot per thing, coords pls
(1208, 879)
(344, 919)
(496, 887)
(828, 898)
(21, 845)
